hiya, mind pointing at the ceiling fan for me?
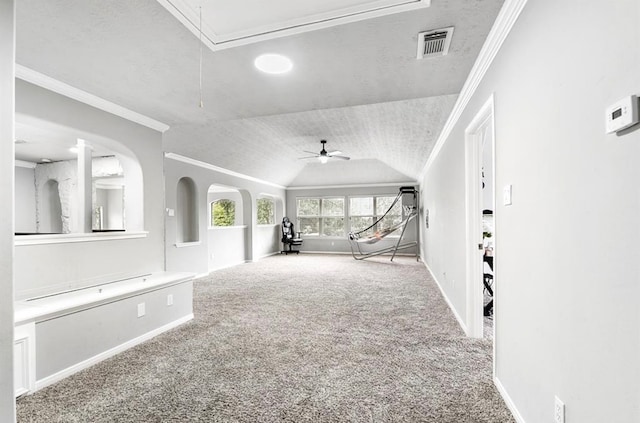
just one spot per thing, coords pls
(324, 156)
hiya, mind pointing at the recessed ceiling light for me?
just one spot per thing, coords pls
(273, 63)
(45, 160)
(74, 150)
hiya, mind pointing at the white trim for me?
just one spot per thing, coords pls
(269, 254)
(504, 23)
(22, 163)
(186, 15)
(220, 228)
(508, 401)
(194, 162)
(56, 377)
(187, 244)
(44, 81)
(473, 216)
(389, 184)
(446, 299)
(201, 275)
(21, 240)
(26, 335)
(226, 266)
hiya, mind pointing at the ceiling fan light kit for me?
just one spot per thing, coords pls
(323, 156)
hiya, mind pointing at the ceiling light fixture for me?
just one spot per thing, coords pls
(273, 63)
(74, 150)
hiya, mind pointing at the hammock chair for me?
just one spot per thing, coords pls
(356, 239)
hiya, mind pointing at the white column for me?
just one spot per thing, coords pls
(7, 117)
(84, 186)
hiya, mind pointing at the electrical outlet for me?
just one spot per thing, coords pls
(141, 310)
(558, 411)
(170, 299)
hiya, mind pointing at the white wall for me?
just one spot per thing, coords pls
(567, 274)
(7, 70)
(196, 257)
(46, 268)
(341, 244)
(25, 201)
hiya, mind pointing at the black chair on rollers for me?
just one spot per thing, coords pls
(289, 237)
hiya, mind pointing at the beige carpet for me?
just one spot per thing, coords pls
(303, 338)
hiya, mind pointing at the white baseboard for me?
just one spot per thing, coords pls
(507, 399)
(446, 298)
(56, 377)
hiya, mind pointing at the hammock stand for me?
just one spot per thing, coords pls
(355, 239)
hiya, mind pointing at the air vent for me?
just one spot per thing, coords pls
(434, 43)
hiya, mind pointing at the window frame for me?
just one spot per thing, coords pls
(211, 216)
(375, 216)
(322, 216)
(273, 211)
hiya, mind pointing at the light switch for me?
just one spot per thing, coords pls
(506, 195)
(141, 309)
(171, 212)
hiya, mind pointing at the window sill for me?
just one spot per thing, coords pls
(21, 240)
(219, 228)
(186, 244)
(267, 225)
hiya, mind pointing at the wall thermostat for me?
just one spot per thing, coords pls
(622, 114)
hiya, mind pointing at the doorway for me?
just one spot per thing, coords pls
(480, 226)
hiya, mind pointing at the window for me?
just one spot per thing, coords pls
(321, 216)
(223, 213)
(363, 211)
(266, 211)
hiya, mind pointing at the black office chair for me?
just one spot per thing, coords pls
(289, 237)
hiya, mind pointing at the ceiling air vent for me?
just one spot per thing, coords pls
(434, 43)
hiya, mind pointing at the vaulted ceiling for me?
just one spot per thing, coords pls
(356, 81)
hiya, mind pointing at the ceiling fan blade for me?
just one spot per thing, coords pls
(341, 157)
(333, 153)
(307, 157)
(311, 152)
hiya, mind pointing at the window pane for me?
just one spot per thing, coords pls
(359, 223)
(389, 221)
(309, 225)
(223, 213)
(333, 226)
(383, 204)
(266, 215)
(333, 207)
(361, 206)
(308, 207)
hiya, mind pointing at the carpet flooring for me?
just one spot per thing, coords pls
(308, 338)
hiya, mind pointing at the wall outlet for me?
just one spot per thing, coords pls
(170, 299)
(141, 310)
(558, 411)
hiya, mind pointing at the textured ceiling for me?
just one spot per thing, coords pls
(358, 85)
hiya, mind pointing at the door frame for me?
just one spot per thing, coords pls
(473, 215)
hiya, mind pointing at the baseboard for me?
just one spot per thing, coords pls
(269, 254)
(56, 377)
(446, 298)
(507, 400)
(226, 266)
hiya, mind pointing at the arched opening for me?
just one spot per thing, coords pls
(227, 228)
(187, 211)
(45, 153)
(50, 216)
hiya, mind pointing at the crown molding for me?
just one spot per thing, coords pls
(25, 164)
(507, 17)
(44, 81)
(194, 162)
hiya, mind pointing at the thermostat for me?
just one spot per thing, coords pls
(622, 114)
